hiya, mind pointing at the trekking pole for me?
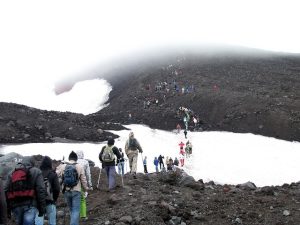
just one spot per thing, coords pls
(98, 178)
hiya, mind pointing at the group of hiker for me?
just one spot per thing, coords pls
(30, 193)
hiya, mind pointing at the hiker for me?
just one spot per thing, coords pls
(181, 157)
(155, 162)
(176, 162)
(145, 164)
(132, 148)
(52, 192)
(73, 180)
(181, 144)
(107, 157)
(185, 133)
(25, 192)
(87, 171)
(178, 127)
(188, 148)
(120, 162)
(161, 162)
(2, 204)
(170, 164)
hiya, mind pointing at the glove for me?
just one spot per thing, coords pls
(85, 194)
(141, 151)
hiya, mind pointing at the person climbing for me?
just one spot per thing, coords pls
(161, 162)
(52, 188)
(185, 133)
(181, 144)
(155, 162)
(176, 162)
(25, 192)
(167, 162)
(132, 148)
(178, 127)
(170, 164)
(74, 180)
(181, 155)
(145, 164)
(120, 163)
(107, 158)
(87, 171)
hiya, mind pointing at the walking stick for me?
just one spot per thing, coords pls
(99, 178)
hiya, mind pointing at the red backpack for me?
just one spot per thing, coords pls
(21, 187)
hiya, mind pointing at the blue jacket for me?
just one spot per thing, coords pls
(155, 162)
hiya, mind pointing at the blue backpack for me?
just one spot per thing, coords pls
(70, 177)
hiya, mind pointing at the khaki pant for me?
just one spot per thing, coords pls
(132, 157)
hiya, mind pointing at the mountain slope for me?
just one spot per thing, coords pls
(240, 92)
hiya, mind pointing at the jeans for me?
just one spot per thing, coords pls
(111, 176)
(73, 201)
(51, 214)
(156, 169)
(121, 168)
(25, 215)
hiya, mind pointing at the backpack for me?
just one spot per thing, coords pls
(49, 192)
(70, 177)
(108, 154)
(21, 187)
(132, 144)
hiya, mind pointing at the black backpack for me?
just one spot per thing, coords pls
(49, 191)
(21, 187)
(132, 144)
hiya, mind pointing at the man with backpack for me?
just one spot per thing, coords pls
(120, 163)
(107, 158)
(73, 179)
(25, 192)
(132, 148)
(52, 191)
(161, 162)
(86, 167)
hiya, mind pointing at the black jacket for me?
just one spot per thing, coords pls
(113, 163)
(37, 181)
(121, 159)
(2, 204)
(48, 172)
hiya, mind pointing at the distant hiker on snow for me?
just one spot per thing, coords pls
(181, 157)
(145, 164)
(132, 148)
(155, 162)
(185, 133)
(181, 144)
(170, 164)
(178, 127)
(107, 158)
(161, 162)
(176, 162)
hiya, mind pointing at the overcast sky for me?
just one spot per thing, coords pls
(44, 41)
